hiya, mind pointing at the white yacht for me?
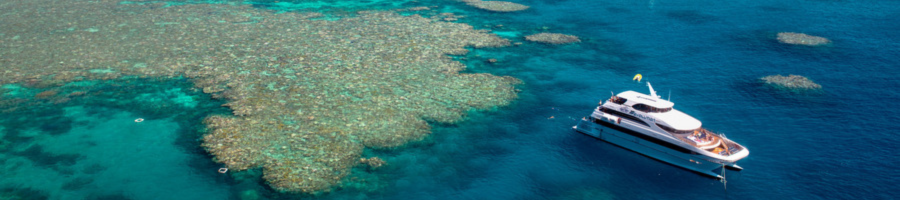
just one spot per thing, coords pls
(649, 125)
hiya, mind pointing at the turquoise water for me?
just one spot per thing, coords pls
(833, 144)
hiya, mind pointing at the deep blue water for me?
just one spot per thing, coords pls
(835, 144)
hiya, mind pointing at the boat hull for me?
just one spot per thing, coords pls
(631, 140)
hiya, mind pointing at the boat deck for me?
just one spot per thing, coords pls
(712, 142)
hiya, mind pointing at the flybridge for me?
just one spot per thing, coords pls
(645, 98)
(651, 100)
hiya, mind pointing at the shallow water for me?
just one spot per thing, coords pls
(706, 56)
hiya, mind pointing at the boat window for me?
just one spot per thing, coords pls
(650, 109)
(672, 130)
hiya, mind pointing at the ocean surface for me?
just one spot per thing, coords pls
(706, 56)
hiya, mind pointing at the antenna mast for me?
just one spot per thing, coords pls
(652, 92)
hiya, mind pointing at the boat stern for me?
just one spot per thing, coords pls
(585, 126)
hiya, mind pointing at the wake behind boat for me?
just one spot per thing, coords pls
(649, 125)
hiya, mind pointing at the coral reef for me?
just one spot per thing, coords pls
(553, 38)
(496, 6)
(307, 95)
(373, 162)
(802, 39)
(419, 8)
(449, 17)
(791, 82)
(45, 94)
